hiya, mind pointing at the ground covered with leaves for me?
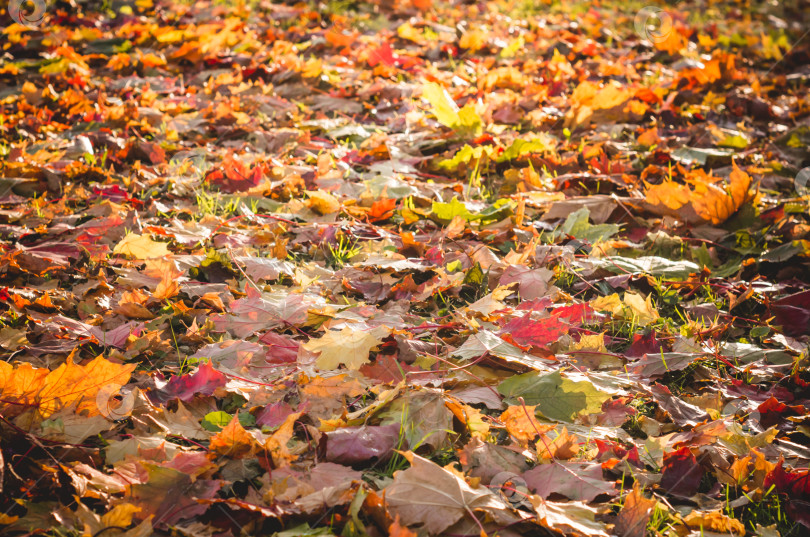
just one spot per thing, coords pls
(405, 268)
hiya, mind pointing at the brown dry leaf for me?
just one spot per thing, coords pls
(181, 422)
(571, 518)
(434, 498)
(636, 511)
(709, 200)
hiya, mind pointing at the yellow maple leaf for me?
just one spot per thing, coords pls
(640, 310)
(471, 417)
(140, 247)
(322, 202)
(611, 303)
(589, 97)
(443, 106)
(120, 515)
(347, 347)
(714, 521)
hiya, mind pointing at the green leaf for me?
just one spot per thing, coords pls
(216, 421)
(303, 530)
(246, 419)
(577, 226)
(760, 331)
(474, 276)
(556, 397)
(523, 147)
(784, 252)
(497, 211)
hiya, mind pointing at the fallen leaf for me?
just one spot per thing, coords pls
(521, 423)
(140, 247)
(575, 481)
(556, 397)
(348, 347)
(443, 497)
(708, 199)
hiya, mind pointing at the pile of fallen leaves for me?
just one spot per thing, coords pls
(405, 268)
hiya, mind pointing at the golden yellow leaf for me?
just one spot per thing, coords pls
(347, 347)
(590, 343)
(714, 521)
(589, 97)
(68, 386)
(641, 310)
(322, 202)
(165, 269)
(140, 247)
(610, 303)
(521, 423)
(565, 446)
(276, 445)
(443, 106)
(473, 40)
(709, 200)
(234, 441)
(469, 416)
(120, 515)
(672, 43)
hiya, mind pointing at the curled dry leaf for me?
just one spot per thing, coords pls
(703, 199)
